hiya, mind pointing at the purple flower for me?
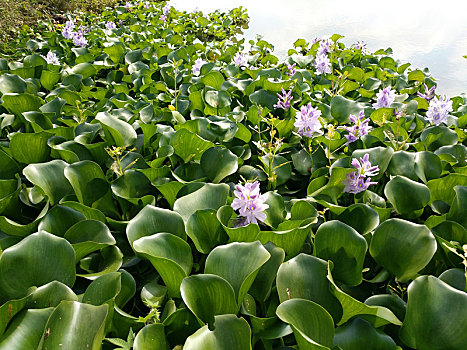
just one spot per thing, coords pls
(364, 166)
(307, 121)
(120, 22)
(83, 29)
(284, 100)
(240, 59)
(110, 25)
(197, 66)
(359, 180)
(250, 203)
(324, 47)
(291, 68)
(128, 6)
(438, 110)
(79, 39)
(166, 9)
(429, 93)
(315, 40)
(67, 31)
(322, 64)
(51, 58)
(361, 45)
(384, 98)
(359, 128)
(147, 5)
(163, 18)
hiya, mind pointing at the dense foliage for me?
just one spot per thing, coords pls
(130, 211)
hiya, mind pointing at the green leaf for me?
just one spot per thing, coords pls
(345, 247)
(458, 211)
(30, 148)
(19, 103)
(380, 156)
(50, 294)
(209, 196)
(248, 233)
(238, 263)
(376, 315)
(263, 98)
(402, 247)
(88, 236)
(427, 166)
(405, 195)
(361, 217)
(312, 325)
(150, 336)
(73, 325)
(188, 145)
(261, 287)
(342, 107)
(213, 79)
(11, 83)
(205, 230)
(151, 220)
(443, 188)
(117, 132)
(218, 163)
(435, 316)
(50, 179)
(171, 257)
(25, 330)
(304, 277)
(25, 260)
(360, 334)
(229, 333)
(208, 295)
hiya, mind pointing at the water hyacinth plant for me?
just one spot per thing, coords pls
(156, 191)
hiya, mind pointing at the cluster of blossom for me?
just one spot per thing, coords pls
(240, 60)
(439, 109)
(197, 66)
(429, 93)
(384, 98)
(78, 37)
(361, 45)
(291, 68)
(359, 128)
(250, 203)
(307, 121)
(360, 180)
(322, 62)
(51, 58)
(128, 6)
(166, 9)
(284, 100)
(110, 25)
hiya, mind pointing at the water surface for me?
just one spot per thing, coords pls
(425, 33)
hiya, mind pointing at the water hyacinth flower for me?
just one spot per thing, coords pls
(110, 25)
(240, 60)
(250, 203)
(51, 58)
(291, 68)
(322, 64)
(197, 66)
(315, 40)
(166, 9)
(67, 31)
(128, 6)
(358, 181)
(359, 128)
(147, 5)
(324, 47)
(361, 45)
(438, 110)
(163, 18)
(79, 39)
(429, 93)
(384, 98)
(307, 121)
(284, 100)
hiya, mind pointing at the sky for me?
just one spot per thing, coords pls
(425, 33)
